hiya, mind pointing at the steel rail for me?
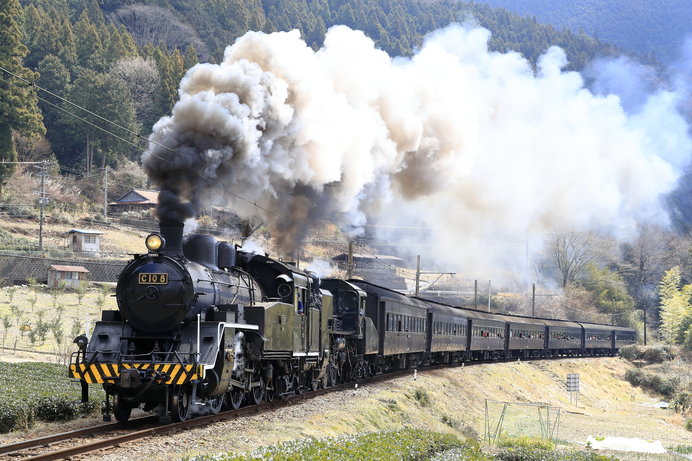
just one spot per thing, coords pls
(13, 449)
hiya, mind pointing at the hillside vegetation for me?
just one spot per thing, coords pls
(127, 58)
(641, 26)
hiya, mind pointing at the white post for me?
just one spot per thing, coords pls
(489, 293)
(198, 336)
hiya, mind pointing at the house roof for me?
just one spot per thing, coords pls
(68, 268)
(84, 231)
(138, 196)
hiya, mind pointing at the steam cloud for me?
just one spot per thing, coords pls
(466, 142)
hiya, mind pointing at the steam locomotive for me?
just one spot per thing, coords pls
(204, 326)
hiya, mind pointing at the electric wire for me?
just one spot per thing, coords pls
(18, 77)
(139, 136)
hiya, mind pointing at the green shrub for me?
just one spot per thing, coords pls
(634, 376)
(631, 352)
(653, 382)
(688, 425)
(31, 391)
(656, 354)
(406, 444)
(683, 449)
(52, 408)
(422, 397)
(537, 454)
(682, 402)
(526, 442)
(15, 415)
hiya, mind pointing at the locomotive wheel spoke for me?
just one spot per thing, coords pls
(181, 404)
(216, 403)
(234, 398)
(258, 392)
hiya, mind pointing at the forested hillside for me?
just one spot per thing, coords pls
(642, 26)
(126, 58)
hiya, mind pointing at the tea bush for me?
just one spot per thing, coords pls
(538, 454)
(406, 444)
(30, 391)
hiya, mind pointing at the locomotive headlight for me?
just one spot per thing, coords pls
(154, 242)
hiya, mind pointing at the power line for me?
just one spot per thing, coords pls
(18, 77)
(139, 136)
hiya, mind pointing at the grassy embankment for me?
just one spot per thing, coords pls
(453, 401)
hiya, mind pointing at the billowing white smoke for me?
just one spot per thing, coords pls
(468, 142)
(321, 268)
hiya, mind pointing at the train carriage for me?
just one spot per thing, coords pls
(401, 322)
(487, 335)
(525, 336)
(623, 337)
(563, 338)
(598, 339)
(447, 333)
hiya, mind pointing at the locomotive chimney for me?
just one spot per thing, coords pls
(172, 232)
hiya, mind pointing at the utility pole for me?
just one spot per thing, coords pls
(417, 274)
(475, 294)
(349, 260)
(533, 302)
(489, 294)
(42, 203)
(105, 193)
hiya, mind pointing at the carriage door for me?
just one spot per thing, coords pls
(302, 316)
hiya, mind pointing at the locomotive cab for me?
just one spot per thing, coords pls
(349, 307)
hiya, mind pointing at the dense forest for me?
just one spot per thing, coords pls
(126, 58)
(650, 28)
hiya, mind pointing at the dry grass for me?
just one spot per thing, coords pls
(116, 240)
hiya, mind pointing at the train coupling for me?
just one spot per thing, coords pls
(130, 378)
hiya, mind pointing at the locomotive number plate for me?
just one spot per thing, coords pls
(153, 279)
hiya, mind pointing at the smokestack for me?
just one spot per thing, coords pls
(172, 232)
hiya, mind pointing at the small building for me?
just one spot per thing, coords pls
(87, 242)
(134, 200)
(71, 275)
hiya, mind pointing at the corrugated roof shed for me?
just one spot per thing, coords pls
(69, 268)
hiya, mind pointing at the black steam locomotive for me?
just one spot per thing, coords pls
(202, 325)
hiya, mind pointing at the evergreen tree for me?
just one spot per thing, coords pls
(168, 92)
(89, 45)
(107, 96)
(115, 50)
(55, 77)
(18, 100)
(129, 43)
(190, 58)
(68, 49)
